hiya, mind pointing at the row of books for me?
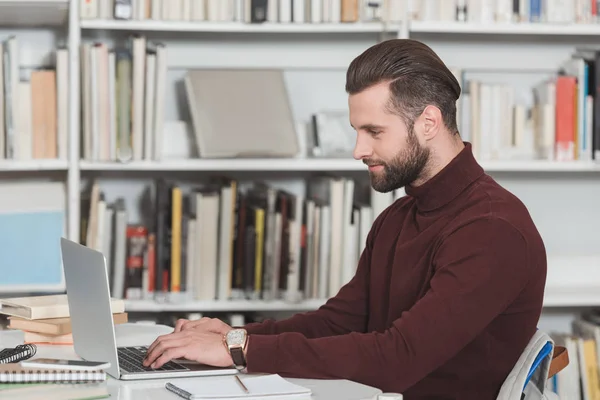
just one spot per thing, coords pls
(33, 106)
(133, 126)
(245, 11)
(130, 127)
(559, 123)
(579, 380)
(503, 11)
(227, 239)
(46, 319)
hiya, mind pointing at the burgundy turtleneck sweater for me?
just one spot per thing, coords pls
(447, 294)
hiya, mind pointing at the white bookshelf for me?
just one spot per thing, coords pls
(562, 196)
(481, 48)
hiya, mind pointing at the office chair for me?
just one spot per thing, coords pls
(540, 361)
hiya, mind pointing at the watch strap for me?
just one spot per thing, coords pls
(237, 355)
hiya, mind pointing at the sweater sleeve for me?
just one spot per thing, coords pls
(346, 312)
(343, 313)
(479, 270)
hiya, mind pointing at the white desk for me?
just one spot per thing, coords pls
(155, 389)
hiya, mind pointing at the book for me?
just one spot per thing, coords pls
(238, 387)
(53, 326)
(42, 338)
(16, 373)
(42, 307)
(54, 391)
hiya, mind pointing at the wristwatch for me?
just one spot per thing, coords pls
(235, 341)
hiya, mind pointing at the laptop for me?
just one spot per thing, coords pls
(92, 324)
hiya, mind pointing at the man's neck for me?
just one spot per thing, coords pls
(441, 154)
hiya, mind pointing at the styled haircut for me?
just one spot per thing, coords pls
(416, 75)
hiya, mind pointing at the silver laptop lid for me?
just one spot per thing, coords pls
(88, 295)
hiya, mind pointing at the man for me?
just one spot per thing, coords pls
(449, 288)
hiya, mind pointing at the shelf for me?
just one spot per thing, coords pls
(572, 281)
(221, 306)
(33, 13)
(209, 165)
(316, 165)
(33, 165)
(540, 166)
(505, 28)
(234, 27)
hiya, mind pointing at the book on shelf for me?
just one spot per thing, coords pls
(131, 127)
(579, 379)
(504, 11)
(33, 106)
(246, 11)
(225, 239)
(556, 119)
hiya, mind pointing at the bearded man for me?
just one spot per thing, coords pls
(449, 288)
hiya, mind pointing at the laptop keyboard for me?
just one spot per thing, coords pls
(131, 359)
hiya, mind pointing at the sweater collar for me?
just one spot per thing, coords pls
(447, 184)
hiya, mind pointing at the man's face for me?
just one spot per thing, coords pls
(393, 153)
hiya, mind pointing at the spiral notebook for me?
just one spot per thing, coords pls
(16, 373)
(16, 354)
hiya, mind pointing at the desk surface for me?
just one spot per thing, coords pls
(155, 389)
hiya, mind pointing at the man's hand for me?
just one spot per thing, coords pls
(198, 345)
(205, 324)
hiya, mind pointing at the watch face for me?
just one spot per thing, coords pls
(236, 337)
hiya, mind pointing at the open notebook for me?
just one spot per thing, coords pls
(227, 387)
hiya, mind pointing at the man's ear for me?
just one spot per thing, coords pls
(432, 121)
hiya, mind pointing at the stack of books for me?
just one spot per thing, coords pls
(46, 319)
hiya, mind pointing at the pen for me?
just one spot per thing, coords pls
(237, 378)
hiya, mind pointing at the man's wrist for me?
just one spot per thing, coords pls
(236, 341)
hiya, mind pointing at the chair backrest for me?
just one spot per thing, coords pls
(539, 361)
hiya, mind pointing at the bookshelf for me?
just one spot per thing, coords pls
(561, 195)
(324, 49)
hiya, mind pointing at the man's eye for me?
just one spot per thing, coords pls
(374, 133)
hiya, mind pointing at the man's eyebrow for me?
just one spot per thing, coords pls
(373, 127)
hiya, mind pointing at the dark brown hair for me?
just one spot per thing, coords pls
(417, 76)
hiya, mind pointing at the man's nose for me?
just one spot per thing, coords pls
(362, 148)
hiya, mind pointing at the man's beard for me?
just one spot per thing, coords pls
(406, 167)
